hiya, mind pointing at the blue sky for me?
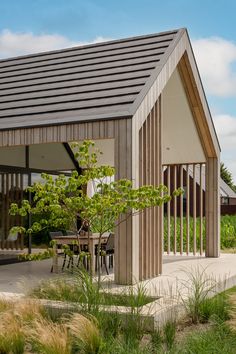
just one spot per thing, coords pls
(37, 25)
(83, 20)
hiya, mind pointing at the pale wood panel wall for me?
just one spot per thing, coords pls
(150, 172)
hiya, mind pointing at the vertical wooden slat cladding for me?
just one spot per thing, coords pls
(11, 192)
(201, 211)
(212, 207)
(59, 133)
(11, 198)
(187, 209)
(148, 212)
(150, 171)
(141, 217)
(181, 211)
(175, 210)
(160, 181)
(168, 212)
(21, 197)
(2, 210)
(124, 272)
(194, 210)
(7, 207)
(151, 181)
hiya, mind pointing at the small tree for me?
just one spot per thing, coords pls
(64, 198)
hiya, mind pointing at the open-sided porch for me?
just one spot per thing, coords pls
(144, 95)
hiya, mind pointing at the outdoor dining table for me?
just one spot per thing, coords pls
(84, 240)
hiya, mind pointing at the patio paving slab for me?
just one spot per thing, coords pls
(17, 278)
(175, 268)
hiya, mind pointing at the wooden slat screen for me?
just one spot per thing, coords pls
(11, 185)
(184, 216)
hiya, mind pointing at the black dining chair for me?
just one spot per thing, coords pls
(107, 249)
(73, 250)
(76, 250)
(67, 254)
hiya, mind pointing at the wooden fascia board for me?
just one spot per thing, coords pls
(193, 68)
(202, 119)
(200, 103)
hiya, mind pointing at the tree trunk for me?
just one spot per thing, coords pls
(98, 257)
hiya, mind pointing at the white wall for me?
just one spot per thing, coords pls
(181, 143)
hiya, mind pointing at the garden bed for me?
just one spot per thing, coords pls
(95, 326)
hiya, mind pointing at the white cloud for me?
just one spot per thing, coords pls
(226, 129)
(13, 44)
(216, 59)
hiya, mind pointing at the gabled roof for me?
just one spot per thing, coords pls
(98, 81)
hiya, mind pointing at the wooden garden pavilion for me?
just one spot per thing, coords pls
(142, 99)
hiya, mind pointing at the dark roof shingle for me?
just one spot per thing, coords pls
(96, 81)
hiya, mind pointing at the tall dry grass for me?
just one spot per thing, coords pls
(12, 333)
(85, 333)
(49, 337)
